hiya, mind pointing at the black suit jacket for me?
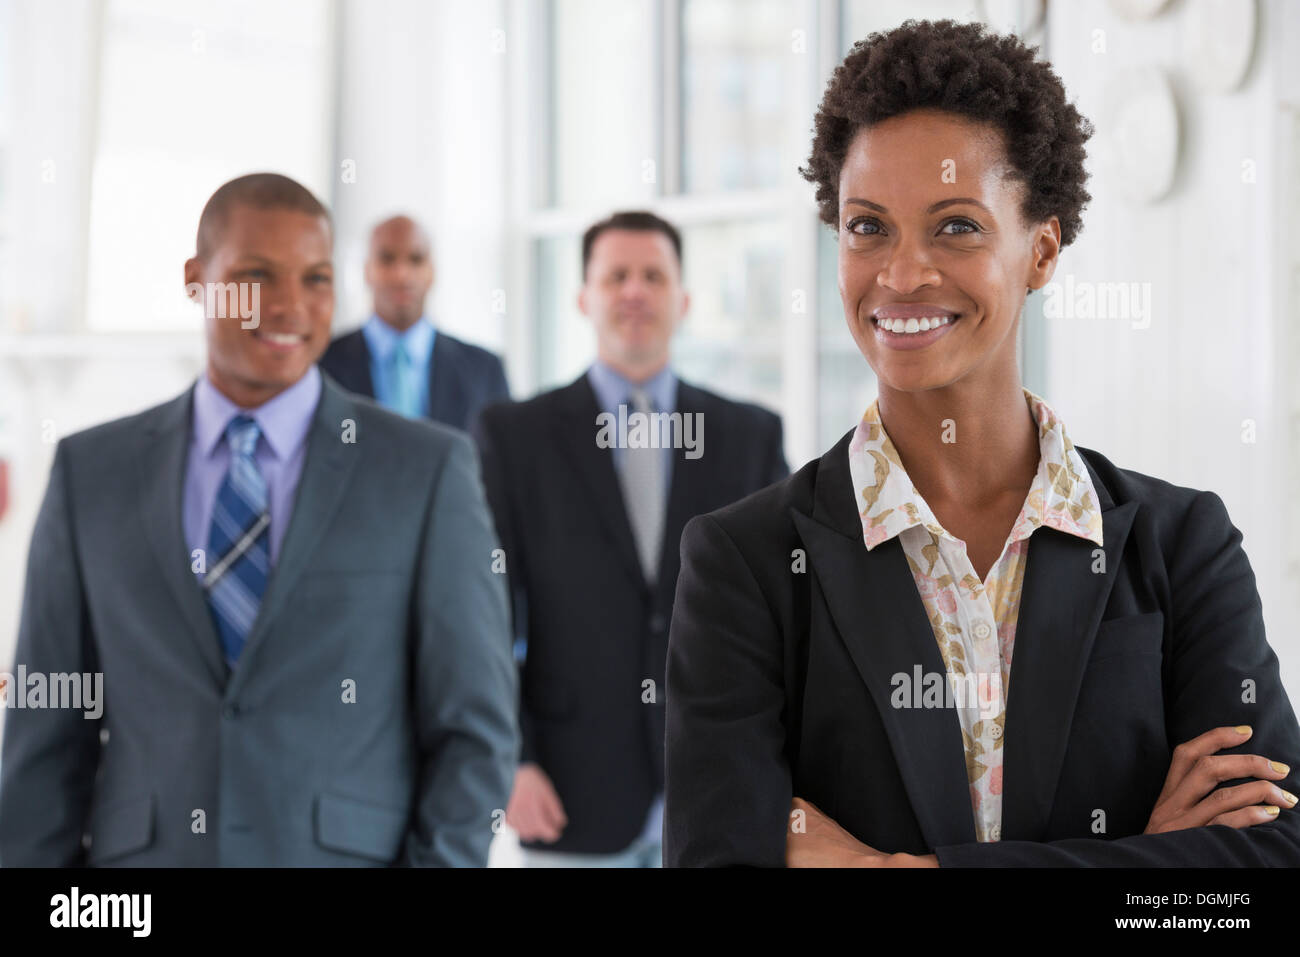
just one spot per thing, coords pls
(779, 683)
(596, 631)
(463, 377)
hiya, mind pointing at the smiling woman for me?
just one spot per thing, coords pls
(1124, 705)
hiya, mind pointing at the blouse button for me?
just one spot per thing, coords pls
(982, 630)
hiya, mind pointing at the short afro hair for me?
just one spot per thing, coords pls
(981, 76)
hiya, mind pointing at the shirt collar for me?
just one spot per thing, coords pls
(284, 419)
(612, 389)
(1061, 496)
(382, 338)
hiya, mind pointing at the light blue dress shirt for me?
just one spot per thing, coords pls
(381, 339)
(612, 390)
(284, 420)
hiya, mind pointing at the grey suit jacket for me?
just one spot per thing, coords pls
(371, 718)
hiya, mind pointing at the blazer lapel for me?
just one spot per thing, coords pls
(688, 493)
(445, 392)
(1062, 598)
(163, 452)
(326, 472)
(575, 432)
(878, 612)
(354, 370)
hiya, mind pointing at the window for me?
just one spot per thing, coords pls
(6, 186)
(733, 94)
(190, 97)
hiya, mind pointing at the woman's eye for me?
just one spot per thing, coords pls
(863, 226)
(968, 227)
(319, 278)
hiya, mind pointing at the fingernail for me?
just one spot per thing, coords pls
(1242, 729)
(1273, 810)
(1279, 767)
(1290, 798)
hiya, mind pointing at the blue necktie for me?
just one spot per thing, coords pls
(405, 388)
(240, 536)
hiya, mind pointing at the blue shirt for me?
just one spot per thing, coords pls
(284, 420)
(612, 390)
(381, 338)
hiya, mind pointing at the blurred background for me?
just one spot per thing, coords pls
(508, 126)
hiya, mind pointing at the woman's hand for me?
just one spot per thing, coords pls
(815, 840)
(1189, 799)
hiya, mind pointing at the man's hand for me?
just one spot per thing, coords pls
(535, 810)
(1189, 798)
(815, 840)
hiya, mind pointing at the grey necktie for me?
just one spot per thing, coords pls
(642, 480)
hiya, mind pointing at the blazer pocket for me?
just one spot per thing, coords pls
(357, 827)
(1130, 635)
(120, 828)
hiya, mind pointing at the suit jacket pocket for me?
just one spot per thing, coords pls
(121, 827)
(1130, 635)
(358, 827)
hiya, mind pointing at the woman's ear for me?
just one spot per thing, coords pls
(1046, 252)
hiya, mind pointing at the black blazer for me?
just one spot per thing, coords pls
(463, 377)
(595, 630)
(786, 632)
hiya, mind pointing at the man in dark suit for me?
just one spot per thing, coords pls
(398, 357)
(288, 592)
(591, 484)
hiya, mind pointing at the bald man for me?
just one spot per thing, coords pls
(398, 357)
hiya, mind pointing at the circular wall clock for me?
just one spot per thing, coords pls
(1142, 133)
(1219, 42)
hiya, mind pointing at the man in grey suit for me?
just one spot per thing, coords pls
(289, 592)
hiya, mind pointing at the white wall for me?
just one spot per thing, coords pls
(1170, 400)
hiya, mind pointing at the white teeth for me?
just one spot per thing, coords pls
(281, 338)
(914, 324)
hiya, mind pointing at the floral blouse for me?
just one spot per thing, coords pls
(974, 622)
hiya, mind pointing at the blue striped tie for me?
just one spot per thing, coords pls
(240, 535)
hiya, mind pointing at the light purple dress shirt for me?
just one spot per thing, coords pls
(284, 420)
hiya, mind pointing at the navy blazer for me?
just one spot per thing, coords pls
(591, 710)
(779, 683)
(463, 377)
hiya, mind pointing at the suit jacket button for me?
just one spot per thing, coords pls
(230, 711)
(657, 622)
